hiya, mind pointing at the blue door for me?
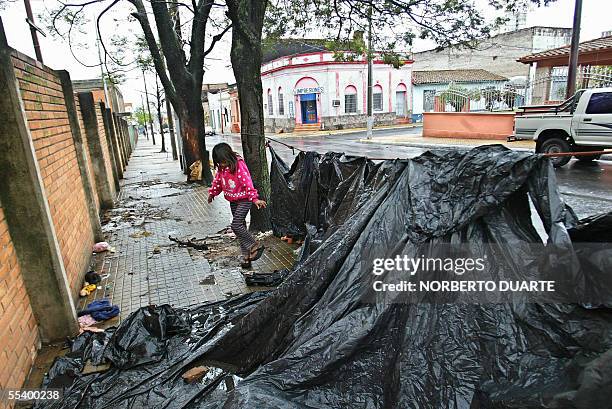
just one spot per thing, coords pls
(308, 105)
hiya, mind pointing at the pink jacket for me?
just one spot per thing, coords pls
(235, 186)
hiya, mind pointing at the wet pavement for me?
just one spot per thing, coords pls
(147, 267)
(585, 187)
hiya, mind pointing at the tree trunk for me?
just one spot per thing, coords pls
(192, 134)
(171, 129)
(246, 62)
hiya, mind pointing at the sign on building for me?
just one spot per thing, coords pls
(313, 90)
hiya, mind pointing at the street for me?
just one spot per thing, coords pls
(587, 188)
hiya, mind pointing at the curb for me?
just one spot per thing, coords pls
(335, 132)
(436, 146)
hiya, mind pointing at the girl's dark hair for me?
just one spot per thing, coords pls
(222, 152)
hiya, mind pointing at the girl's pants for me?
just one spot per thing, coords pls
(239, 227)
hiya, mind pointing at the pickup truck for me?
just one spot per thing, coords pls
(582, 123)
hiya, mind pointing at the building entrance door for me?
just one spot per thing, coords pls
(308, 105)
(400, 103)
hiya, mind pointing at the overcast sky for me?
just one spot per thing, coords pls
(56, 54)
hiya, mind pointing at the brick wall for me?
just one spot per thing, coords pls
(19, 338)
(92, 179)
(106, 150)
(43, 100)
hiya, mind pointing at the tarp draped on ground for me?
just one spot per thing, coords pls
(321, 340)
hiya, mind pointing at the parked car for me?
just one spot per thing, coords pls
(583, 123)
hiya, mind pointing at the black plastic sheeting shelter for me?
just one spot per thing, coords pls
(315, 342)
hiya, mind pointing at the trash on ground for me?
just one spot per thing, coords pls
(199, 244)
(102, 247)
(92, 277)
(87, 289)
(261, 279)
(100, 310)
(140, 234)
(195, 374)
(318, 341)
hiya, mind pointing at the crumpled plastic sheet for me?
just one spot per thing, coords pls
(314, 343)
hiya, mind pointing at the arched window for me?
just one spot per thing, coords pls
(377, 98)
(401, 100)
(270, 103)
(281, 102)
(350, 100)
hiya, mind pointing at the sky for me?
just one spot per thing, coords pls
(57, 55)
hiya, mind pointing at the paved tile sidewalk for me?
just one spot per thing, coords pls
(147, 267)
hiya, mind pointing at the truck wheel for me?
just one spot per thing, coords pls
(590, 158)
(556, 145)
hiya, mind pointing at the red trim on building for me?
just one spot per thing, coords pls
(319, 63)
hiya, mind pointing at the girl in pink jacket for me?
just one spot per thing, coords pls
(234, 179)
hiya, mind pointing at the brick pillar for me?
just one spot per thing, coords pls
(120, 140)
(126, 139)
(27, 213)
(111, 135)
(112, 148)
(94, 141)
(82, 157)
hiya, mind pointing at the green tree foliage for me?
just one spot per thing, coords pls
(141, 116)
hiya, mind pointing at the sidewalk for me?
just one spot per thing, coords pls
(419, 141)
(149, 268)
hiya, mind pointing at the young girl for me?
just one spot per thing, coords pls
(234, 179)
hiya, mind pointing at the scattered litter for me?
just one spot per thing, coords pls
(87, 289)
(141, 234)
(92, 277)
(193, 242)
(100, 310)
(195, 374)
(196, 171)
(273, 279)
(101, 247)
(156, 250)
(208, 280)
(89, 368)
(86, 321)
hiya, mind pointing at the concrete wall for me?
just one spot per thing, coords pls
(468, 125)
(92, 179)
(282, 125)
(497, 54)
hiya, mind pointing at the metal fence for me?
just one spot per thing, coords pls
(545, 88)
(502, 97)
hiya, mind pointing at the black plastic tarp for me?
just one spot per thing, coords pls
(318, 342)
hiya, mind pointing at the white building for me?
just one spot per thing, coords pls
(314, 91)
(427, 84)
(219, 107)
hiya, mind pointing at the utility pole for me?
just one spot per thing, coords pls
(33, 30)
(148, 106)
(370, 120)
(573, 60)
(145, 117)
